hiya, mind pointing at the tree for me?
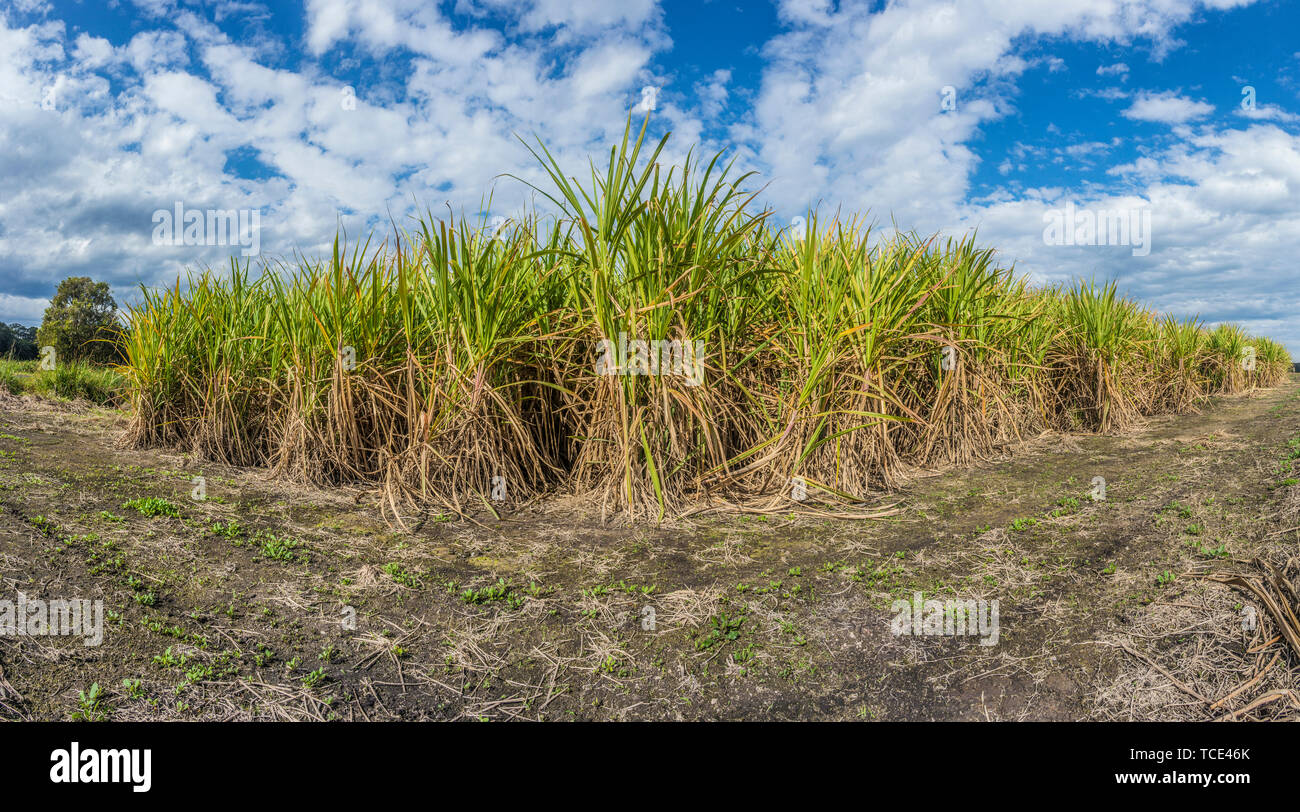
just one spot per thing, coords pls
(81, 322)
(17, 342)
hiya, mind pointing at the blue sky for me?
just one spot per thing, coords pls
(941, 116)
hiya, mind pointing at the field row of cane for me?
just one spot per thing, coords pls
(456, 363)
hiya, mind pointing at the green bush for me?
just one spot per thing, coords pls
(10, 382)
(85, 382)
(100, 385)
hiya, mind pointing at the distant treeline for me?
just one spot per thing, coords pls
(17, 342)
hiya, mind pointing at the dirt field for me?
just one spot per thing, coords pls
(238, 606)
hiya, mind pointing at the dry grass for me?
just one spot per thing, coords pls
(1225, 648)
